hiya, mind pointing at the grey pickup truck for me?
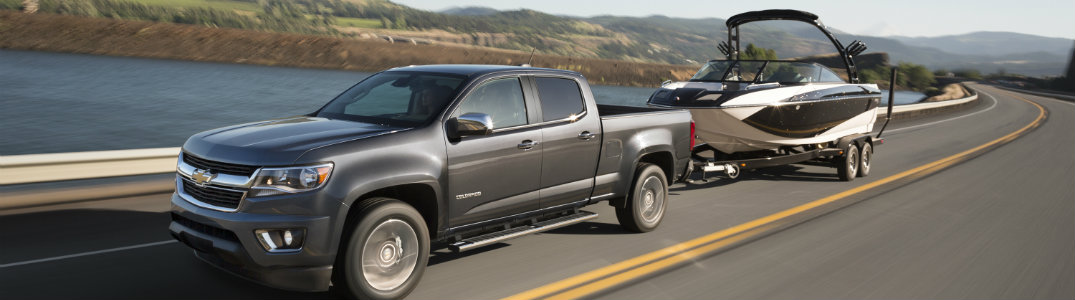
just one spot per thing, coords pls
(356, 195)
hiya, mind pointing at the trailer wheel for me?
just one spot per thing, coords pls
(386, 252)
(847, 164)
(645, 206)
(866, 158)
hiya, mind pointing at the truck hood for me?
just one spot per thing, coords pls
(279, 141)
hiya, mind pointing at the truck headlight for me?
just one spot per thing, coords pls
(275, 181)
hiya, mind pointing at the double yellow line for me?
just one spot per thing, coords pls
(598, 280)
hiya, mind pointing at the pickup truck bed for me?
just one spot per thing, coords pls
(606, 110)
(622, 123)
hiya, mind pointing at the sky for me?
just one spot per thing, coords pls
(865, 17)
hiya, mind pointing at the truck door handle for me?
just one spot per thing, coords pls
(586, 136)
(527, 145)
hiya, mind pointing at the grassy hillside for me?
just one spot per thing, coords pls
(654, 39)
(59, 33)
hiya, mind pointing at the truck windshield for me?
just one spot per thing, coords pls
(402, 99)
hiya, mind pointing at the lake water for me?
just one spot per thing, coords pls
(56, 102)
(902, 97)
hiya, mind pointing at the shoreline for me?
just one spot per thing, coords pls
(112, 37)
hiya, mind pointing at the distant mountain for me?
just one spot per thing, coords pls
(470, 11)
(656, 39)
(696, 39)
(1039, 63)
(661, 39)
(992, 43)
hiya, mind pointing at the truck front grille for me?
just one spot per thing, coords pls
(214, 196)
(218, 167)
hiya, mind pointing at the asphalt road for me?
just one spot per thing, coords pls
(999, 225)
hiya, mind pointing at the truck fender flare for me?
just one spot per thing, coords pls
(628, 182)
(370, 189)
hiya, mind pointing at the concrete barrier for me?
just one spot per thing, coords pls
(19, 169)
(920, 109)
(26, 196)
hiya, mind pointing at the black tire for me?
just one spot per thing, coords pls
(644, 208)
(847, 164)
(865, 159)
(383, 224)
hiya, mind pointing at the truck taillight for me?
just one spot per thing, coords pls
(692, 135)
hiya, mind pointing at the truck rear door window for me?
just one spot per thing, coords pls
(560, 98)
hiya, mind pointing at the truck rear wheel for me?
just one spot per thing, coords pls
(386, 252)
(644, 208)
(847, 165)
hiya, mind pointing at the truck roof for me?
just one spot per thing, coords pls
(476, 70)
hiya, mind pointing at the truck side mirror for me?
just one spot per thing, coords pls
(469, 124)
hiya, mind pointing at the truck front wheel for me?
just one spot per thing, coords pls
(644, 208)
(387, 251)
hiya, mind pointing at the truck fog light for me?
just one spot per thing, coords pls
(280, 240)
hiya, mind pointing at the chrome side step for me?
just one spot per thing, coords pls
(493, 237)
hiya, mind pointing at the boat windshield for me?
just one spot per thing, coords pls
(765, 71)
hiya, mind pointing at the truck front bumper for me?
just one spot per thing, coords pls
(227, 240)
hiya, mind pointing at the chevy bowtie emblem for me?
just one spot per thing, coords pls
(202, 177)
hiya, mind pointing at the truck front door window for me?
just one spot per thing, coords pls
(501, 99)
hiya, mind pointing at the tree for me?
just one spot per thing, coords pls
(969, 74)
(874, 75)
(400, 22)
(757, 53)
(916, 77)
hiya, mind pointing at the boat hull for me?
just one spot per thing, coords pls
(750, 120)
(728, 131)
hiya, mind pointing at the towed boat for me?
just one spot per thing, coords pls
(758, 105)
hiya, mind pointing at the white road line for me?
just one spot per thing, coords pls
(951, 119)
(15, 264)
